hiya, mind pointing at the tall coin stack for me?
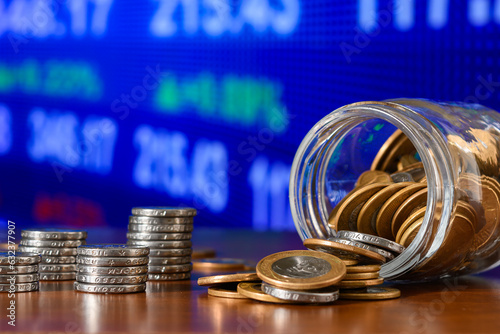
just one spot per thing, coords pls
(167, 232)
(112, 268)
(19, 272)
(57, 248)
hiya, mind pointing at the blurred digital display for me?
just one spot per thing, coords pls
(106, 104)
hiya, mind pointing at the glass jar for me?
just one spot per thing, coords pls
(458, 145)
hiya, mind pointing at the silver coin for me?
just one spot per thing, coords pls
(158, 236)
(111, 261)
(114, 271)
(22, 278)
(160, 228)
(161, 244)
(372, 240)
(402, 177)
(14, 270)
(163, 261)
(53, 234)
(58, 259)
(19, 258)
(57, 276)
(52, 243)
(301, 267)
(164, 211)
(170, 252)
(49, 251)
(113, 250)
(145, 220)
(97, 288)
(20, 287)
(169, 277)
(57, 268)
(98, 279)
(176, 268)
(325, 295)
(388, 255)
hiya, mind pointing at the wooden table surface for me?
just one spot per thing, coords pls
(465, 305)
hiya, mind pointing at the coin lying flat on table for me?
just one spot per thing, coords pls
(372, 240)
(54, 234)
(254, 291)
(387, 255)
(160, 228)
(19, 258)
(355, 284)
(105, 279)
(114, 271)
(349, 261)
(20, 278)
(164, 211)
(144, 220)
(169, 277)
(96, 288)
(219, 264)
(340, 249)
(324, 295)
(113, 250)
(19, 287)
(301, 270)
(112, 261)
(225, 291)
(175, 268)
(58, 259)
(231, 278)
(367, 268)
(203, 253)
(28, 269)
(357, 276)
(53, 251)
(371, 293)
(174, 252)
(164, 261)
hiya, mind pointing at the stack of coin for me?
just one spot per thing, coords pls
(57, 248)
(167, 232)
(19, 271)
(112, 268)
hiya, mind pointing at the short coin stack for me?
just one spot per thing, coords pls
(167, 232)
(19, 272)
(112, 268)
(57, 248)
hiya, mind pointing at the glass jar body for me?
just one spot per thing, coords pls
(459, 148)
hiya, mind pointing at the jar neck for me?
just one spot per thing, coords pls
(307, 197)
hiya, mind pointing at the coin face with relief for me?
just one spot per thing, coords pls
(301, 270)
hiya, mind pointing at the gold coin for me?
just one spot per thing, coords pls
(347, 214)
(386, 212)
(301, 270)
(349, 262)
(231, 278)
(364, 276)
(467, 210)
(355, 284)
(406, 160)
(371, 293)
(367, 268)
(388, 156)
(253, 291)
(225, 291)
(203, 253)
(414, 202)
(367, 217)
(411, 232)
(339, 249)
(409, 222)
(219, 264)
(373, 176)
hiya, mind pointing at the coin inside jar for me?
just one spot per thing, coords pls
(415, 216)
(340, 249)
(414, 202)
